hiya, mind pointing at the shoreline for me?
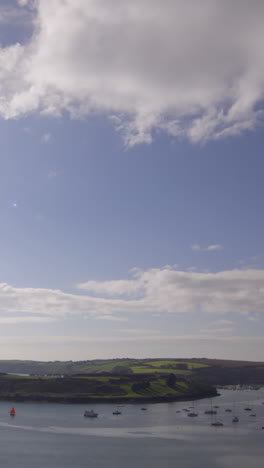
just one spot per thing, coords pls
(108, 400)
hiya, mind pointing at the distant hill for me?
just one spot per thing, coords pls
(116, 366)
(211, 371)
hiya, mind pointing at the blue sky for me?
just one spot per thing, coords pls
(131, 194)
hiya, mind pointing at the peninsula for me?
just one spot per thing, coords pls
(122, 380)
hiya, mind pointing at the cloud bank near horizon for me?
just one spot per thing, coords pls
(154, 291)
(192, 71)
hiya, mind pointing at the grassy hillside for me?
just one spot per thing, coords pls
(211, 371)
(109, 388)
(119, 366)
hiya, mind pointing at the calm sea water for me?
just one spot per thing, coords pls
(56, 436)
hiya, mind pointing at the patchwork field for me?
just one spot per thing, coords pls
(132, 388)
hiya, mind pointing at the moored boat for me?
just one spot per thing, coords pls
(90, 414)
(12, 412)
(217, 423)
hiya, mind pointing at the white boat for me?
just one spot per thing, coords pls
(90, 414)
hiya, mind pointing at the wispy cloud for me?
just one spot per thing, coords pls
(46, 138)
(223, 322)
(53, 173)
(12, 14)
(213, 247)
(208, 248)
(118, 58)
(212, 331)
(26, 319)
(59, 340)
(112, 318)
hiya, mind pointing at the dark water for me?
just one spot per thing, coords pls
(56, 436)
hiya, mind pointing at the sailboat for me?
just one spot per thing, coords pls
(12, 412)
(211, 411)
(193, 414)
(215, 422)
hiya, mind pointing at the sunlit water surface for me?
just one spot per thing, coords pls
(56, 435)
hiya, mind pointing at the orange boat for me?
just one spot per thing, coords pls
(12, 412)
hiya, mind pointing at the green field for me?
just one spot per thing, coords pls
(112, 366)
(152, 387)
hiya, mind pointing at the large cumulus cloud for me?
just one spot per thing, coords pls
(193, 69)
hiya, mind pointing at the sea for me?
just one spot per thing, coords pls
(49, 435)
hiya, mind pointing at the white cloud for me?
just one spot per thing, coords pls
(22, 2)
(113, 288)
(166, 290)
(192, 71)
(155, 291)
(213, 247)
(209, 248)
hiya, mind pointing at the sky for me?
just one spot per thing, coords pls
(131, 179)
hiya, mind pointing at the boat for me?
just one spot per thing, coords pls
(90, 414)
(228, 410)
(143, 409)
(117, 412)
(12, 412)
(235, 419)
(192, 415)
(211, 411)
(248, 409)
(217, 423)
(253, 415)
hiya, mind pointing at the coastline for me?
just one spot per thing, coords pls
(71, 399)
